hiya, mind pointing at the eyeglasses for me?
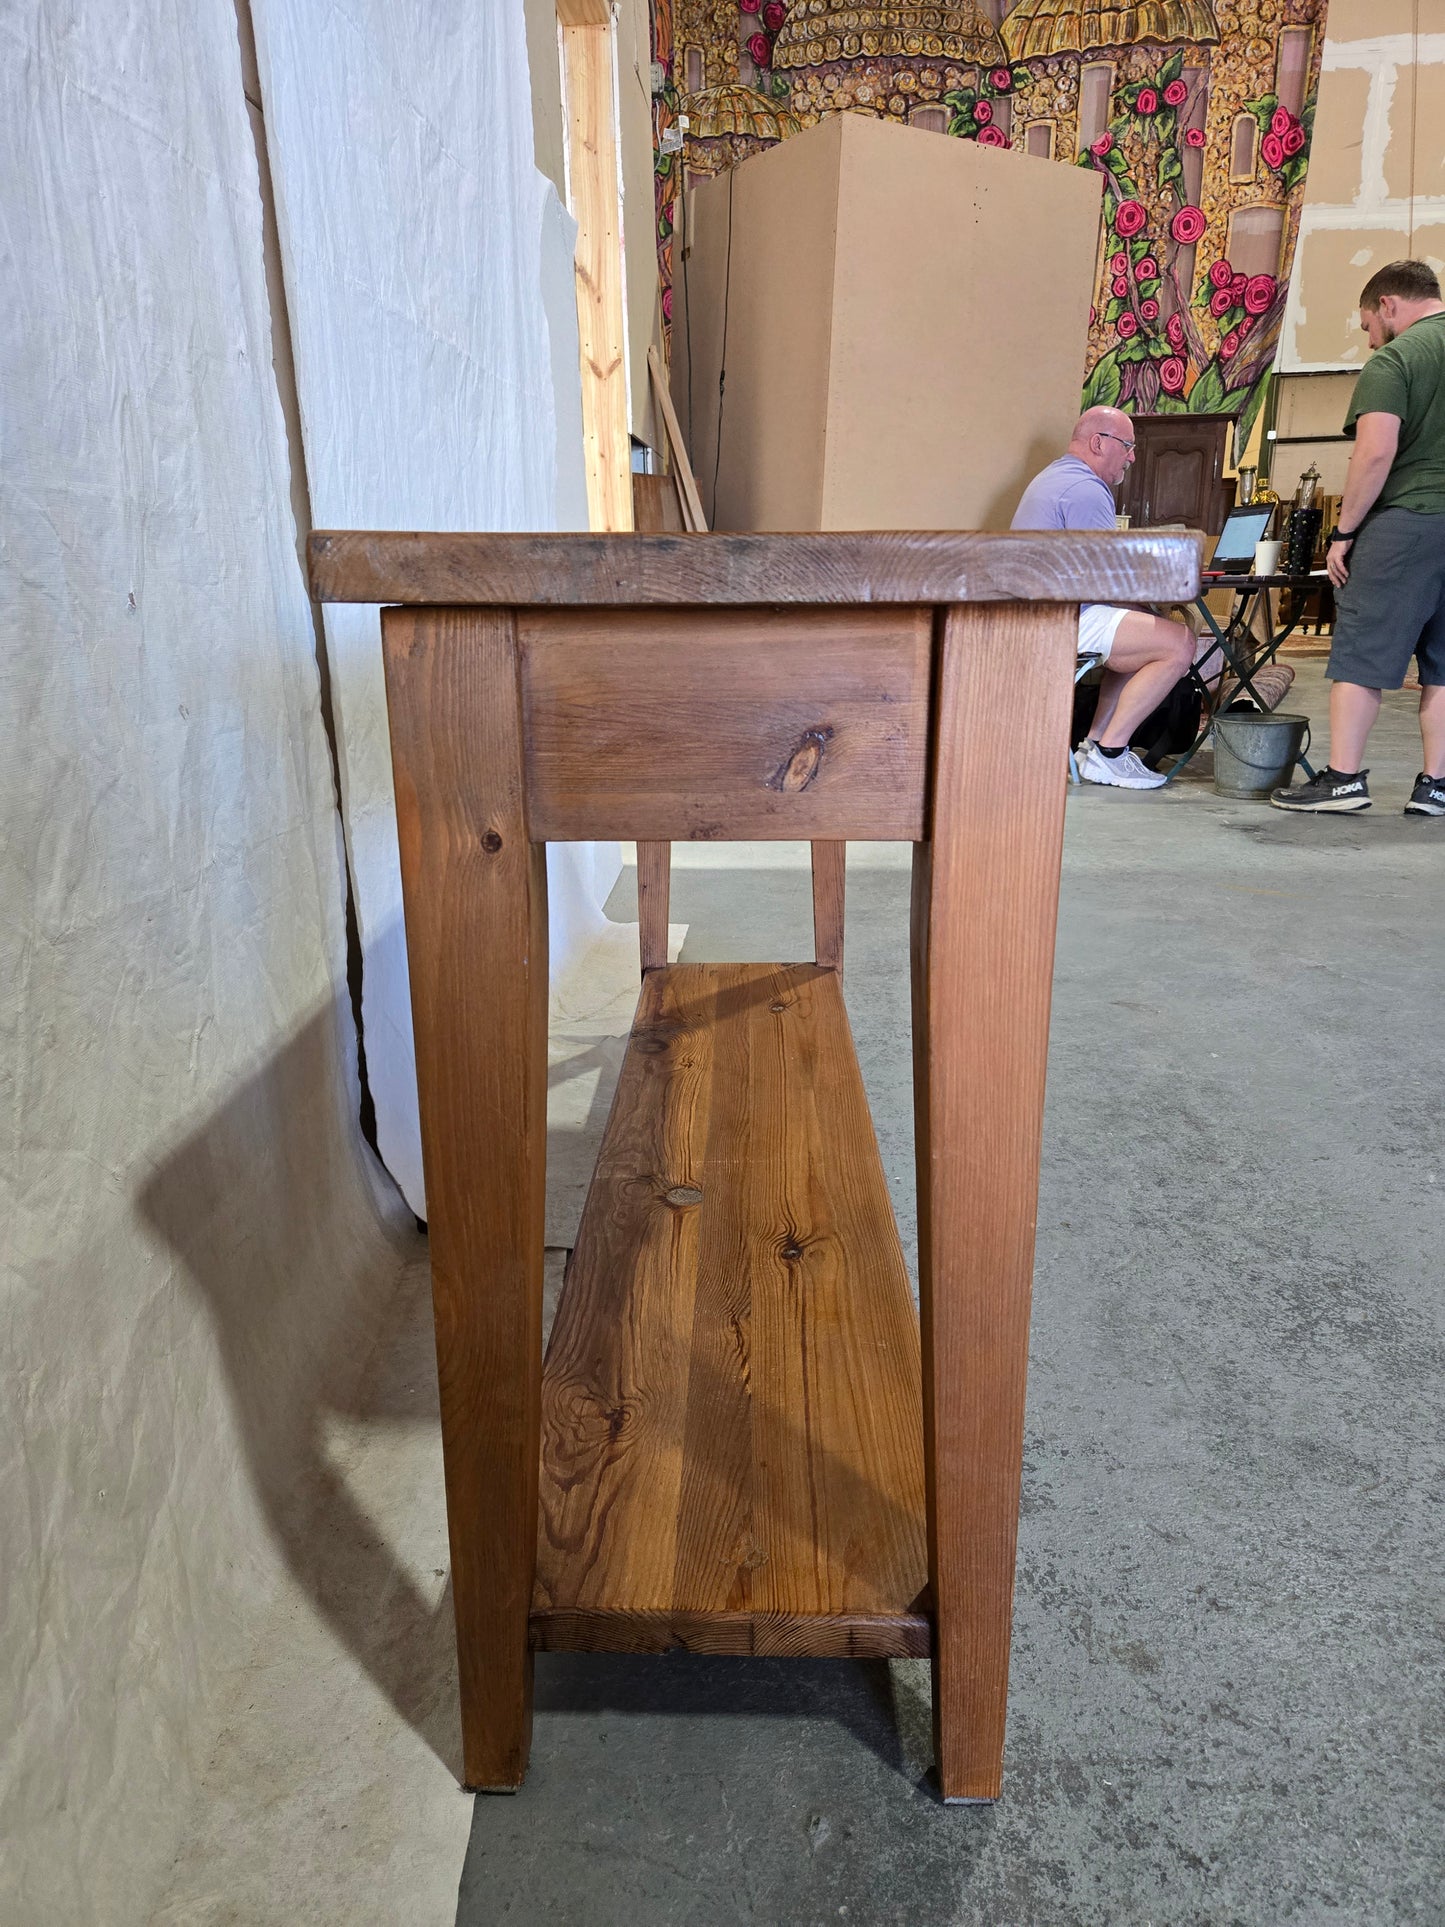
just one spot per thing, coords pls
(1115, 438)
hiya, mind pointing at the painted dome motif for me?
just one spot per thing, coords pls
(1036, 27)
(818, 32)
(734, 109)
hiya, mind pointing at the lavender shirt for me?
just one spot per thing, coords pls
(1066, 495)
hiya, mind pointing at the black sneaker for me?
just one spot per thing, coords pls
(1428, 796)
(1328, 790)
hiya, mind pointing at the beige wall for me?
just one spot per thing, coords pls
(1376, 185)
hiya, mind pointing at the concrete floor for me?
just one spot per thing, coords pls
(1228, 1692)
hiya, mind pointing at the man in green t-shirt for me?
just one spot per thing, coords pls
(1387, 557)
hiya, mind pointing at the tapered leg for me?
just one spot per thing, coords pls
(654, 885)
(985, 898)
(475, 891)
(829, 880)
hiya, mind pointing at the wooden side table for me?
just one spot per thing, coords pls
(740, 1441)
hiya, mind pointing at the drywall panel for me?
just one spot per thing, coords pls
(1376, 185)
(1337, 156)
(758, 287)
(426, 373)
(943, 401)
(193, 1262)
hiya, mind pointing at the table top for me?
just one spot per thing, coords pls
(909, 566)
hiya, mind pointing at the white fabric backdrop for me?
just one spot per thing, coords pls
(193, 1260)
(424, 255)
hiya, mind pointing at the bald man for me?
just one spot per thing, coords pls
(1143, 655)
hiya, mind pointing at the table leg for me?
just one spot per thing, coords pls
(475, 891)
(985, 901)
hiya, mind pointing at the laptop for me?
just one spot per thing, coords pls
(1243, 529)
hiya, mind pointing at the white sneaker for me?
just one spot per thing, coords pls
(1124, 772)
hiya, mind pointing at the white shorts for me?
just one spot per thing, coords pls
(1098, 625)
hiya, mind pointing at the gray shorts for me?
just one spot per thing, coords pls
(1393, 606)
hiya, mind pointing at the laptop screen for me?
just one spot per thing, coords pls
(1243, 528)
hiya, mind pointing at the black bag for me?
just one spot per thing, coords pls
(1166, 731)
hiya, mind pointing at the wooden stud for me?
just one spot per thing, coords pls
(475, 890)
(829, 879)
(593, 195)
(693, 516)
(654, 882)
(984, 906)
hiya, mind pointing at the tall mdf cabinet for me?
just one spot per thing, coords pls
(900, 319)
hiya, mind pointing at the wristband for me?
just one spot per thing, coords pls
(1338, 535)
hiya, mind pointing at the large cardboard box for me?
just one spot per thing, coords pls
(899, 321)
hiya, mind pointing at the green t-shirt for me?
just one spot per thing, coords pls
(1407, 378)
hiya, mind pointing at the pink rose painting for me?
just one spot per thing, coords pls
(1258, 293)
(761, 49)
(1119, 263)
(1220, 303)
(1194, 137)
(1220, 273)
(1175, 94)
(982, 112)
(1131, 217)
(1001, 80)
(1149, 309)
(1229, 347)
(1103, 145)
(992, 137)
(1174, 328)
(1119, 287)
(750, 6)
(1127, 324)
(1272, 148)
(1187, 226)
(774, 14)
(1294, 141)
(1146, 101)
(1238, 284)
(1172, 374)
(1281, 121)
(1148, 269)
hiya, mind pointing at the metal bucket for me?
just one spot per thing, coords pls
(1255, 754)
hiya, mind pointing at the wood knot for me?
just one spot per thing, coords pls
(682, 1195)
(491, 843)
(779, 1005)
(792, 1251)
(803, 762)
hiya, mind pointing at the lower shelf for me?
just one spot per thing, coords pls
(732, 1435)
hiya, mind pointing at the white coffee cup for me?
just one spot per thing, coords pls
(1266, 557)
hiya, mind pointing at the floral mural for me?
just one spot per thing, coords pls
(1196, 113)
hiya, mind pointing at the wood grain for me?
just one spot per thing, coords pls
(475, 891)
(830, 865)
(732, 1410)
(593, 197)
(740, 1634)
(654, 887)
(984, 909)
(757, 723)
(678, 570)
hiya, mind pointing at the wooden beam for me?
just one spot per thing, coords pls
(583, 13)
(681, 466)
(595, 200)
